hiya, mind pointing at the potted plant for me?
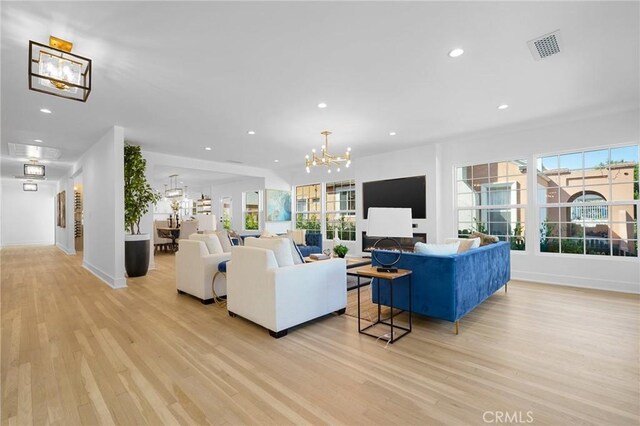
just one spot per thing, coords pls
(338, 248)
(138, 196)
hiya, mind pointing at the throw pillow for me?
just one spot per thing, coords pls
(281, 248)
(225, 241)
(437, 249)
(298, 259)
(295, 251)
(465, 243)
(485, 239)
(298, 236)
(210, 240)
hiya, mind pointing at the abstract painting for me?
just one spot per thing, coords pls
(62, 209)
(278, 205)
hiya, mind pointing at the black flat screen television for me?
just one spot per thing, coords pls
(408, 192)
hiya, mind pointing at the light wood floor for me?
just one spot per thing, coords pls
(74, 351)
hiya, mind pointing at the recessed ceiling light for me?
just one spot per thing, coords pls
(456, 52)
(38, 140)
(392, 133)
(45, 110)
(276, 161)
(251, 132)
(207, 148)
(503, 106)
(322, 105)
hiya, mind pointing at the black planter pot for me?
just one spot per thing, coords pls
(136, 255)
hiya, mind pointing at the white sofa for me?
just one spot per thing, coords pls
(196, 267)
(278, 298)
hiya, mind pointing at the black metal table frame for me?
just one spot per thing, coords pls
(391, 314)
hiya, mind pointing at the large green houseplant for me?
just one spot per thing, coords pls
(138, 197)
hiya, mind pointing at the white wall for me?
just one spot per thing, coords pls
(64, 236)
(438, 161)
(102, 168)
(276, 181)
(235, 190)
(28, 217)
(620, 274)
(404, 163)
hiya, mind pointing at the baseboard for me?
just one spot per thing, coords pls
(28, 243)
(106, 278)
(579, 282)
(70, 252)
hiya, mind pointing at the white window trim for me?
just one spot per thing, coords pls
(326, 212)
(245, 211)
(512, 207)
(539, 206)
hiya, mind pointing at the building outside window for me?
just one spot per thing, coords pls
(226, 212)
(251, 210)
(309, 207)
(491, 198)
(589, 202)
(340, 211)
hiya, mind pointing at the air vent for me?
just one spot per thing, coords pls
(546, 45)
(34, 151)
(234, 162)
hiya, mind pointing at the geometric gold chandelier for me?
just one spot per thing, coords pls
(326, 159)
(56, 71)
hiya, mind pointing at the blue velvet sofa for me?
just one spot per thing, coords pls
(314, 244)
(447, 287)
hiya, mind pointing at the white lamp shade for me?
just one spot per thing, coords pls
(389, 222)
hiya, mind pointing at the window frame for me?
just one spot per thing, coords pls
(485, 208)
(230, 209)
(245, 210)
(347, 212)
(568, 205)
(307, 213)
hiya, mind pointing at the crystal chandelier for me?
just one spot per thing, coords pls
(326, 159)
(174, 191)
(55, 70)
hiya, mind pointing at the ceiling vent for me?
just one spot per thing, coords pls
(234, 162)
(546, 45)
(34, 151)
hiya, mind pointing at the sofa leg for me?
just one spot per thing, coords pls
(505, 287)
(278, 334)
(207, 301)
(180, 292)
(457, 326)
(232, 314)
(341, 311)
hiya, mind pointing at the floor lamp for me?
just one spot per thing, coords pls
(388, 224)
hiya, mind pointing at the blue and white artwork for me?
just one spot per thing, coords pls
(278, 205)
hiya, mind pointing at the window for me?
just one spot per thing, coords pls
(226, 211)
(491, 198)
(340, 217)
(588, 202)
(251, 212)
(308, 207)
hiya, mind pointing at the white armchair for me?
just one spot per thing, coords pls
(278, 298)
(195, 269)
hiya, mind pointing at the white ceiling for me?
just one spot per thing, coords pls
(196, 180)
(182, 76)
